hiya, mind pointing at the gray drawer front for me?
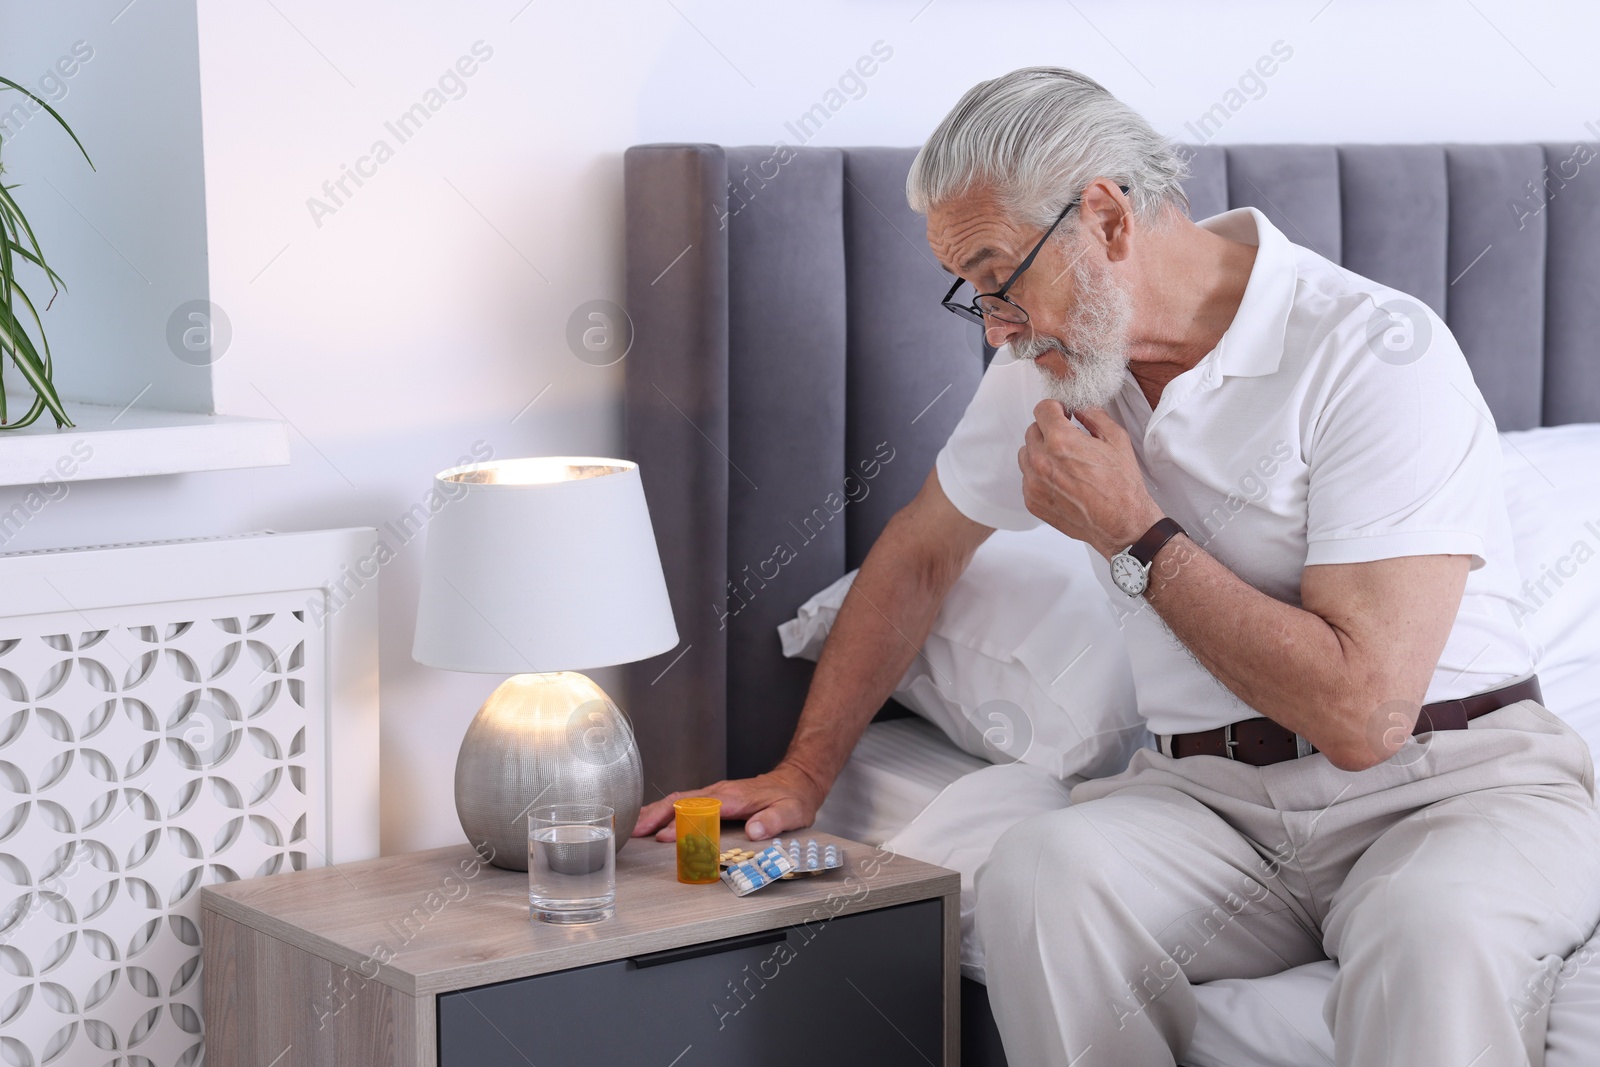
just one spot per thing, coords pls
(860, 989)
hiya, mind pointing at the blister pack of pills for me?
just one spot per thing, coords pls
(765, 867)
(809, 857)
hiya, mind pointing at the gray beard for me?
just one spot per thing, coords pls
(1095, 344)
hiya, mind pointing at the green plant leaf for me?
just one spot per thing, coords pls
(45, 363)
(53, 114)
(18, 241)
(36, 409)
(27, 360)
(55, 279)
(9, 206)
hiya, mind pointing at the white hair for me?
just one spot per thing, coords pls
(1037, 137)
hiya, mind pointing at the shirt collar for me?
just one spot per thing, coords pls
(1253, 343)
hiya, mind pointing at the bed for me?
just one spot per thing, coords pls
(792, 376)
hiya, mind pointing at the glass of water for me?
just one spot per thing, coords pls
(572, 863)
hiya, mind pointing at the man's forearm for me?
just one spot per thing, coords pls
(1281, 660)
(1288, 663)
(879, 631)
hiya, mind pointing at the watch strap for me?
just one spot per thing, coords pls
(1144, 550)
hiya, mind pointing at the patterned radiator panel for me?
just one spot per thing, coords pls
(144, 752)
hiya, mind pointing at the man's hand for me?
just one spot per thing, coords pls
(782, 799)
(1087, 485)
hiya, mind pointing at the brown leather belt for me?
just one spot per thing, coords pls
(1261, 742)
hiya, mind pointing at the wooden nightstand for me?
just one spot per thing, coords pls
(430, 960)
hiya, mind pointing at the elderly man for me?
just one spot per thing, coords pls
(1295, 485)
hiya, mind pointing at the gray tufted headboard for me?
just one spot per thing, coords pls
(792, 375)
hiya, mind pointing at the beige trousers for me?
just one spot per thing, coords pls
(1445, 882)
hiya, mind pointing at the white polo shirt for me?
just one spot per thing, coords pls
(1321, 429)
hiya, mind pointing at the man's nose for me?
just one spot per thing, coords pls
(998, 333)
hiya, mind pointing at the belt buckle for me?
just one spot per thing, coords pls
(1228, 743)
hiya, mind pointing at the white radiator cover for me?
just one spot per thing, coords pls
(171, 715)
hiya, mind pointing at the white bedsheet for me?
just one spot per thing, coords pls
(908, 787)
(896, 770)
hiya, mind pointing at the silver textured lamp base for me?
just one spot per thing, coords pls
(544, 739)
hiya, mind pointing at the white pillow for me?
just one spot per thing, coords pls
(1024, 662)
(1552, 486)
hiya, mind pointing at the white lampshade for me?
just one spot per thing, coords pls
(543, 564)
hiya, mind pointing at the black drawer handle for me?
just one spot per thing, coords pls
(709, 948)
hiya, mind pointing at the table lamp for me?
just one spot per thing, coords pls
(540, 568)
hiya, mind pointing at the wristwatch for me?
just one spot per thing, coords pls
(1130, 568)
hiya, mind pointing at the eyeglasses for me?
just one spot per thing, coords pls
(997, 305)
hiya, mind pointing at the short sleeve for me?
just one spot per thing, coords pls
(978, 466)
(1403, 459)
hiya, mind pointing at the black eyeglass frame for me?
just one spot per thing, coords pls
(973, 312)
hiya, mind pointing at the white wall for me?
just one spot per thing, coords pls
(428, 310)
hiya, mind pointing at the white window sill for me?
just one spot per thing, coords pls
(135, 442)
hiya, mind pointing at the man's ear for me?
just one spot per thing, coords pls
(1109, 216)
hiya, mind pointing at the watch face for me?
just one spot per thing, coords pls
(1128, 573)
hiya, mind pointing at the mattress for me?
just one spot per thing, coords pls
(908, 788)
(898, 767)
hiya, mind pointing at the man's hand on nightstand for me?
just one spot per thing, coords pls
(784, 798)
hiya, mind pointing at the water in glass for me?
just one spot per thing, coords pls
(571, 863)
